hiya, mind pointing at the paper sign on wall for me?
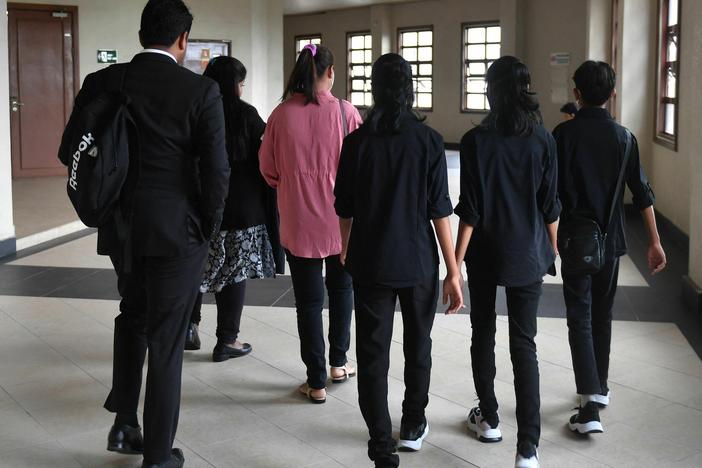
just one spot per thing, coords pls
(560, 66)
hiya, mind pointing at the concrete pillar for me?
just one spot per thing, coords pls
(7, 227)
(266, 71)
(381, 29)
(512, 23)
(599, 30)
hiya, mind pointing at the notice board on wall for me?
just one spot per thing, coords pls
(201, 51)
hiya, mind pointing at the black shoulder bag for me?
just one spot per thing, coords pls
(581, 240)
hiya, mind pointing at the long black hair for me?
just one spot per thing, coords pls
(393, 94)
(312, 63)
(514, 109)
(229, 72)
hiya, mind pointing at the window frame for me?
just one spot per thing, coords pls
(305, 37)
(349, 80)
(665, 139)
(464, 59)
(419, 29)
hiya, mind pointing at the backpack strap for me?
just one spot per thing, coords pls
(620, 180)
(344, 124)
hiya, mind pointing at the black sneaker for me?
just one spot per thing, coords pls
(587, 421)
(486, 429)
(527, 455)
(411, 438)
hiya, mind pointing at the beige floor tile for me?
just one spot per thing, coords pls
(80, 253)
(676, 423)
(273, 448)
(41, 455)
(40, 204)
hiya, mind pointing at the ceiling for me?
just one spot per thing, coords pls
(295, 7)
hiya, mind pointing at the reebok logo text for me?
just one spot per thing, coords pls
(85, 143)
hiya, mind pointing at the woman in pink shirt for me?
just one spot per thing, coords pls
(299, 157)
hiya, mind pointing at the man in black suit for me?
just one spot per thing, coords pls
(176, 203)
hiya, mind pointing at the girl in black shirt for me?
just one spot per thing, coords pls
(244, 247)
(509, 213)
(392, 184)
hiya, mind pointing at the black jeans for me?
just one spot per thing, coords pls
(308, 286)
(375, 311)
(230, 306)
(589, 300)
(522, 306)
(157, 300)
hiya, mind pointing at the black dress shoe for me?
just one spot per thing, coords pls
(222, 352)
(125, 439)
(192, 338)
(177, 461)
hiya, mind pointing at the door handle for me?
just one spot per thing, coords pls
(15, 104)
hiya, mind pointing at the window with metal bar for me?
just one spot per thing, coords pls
(481, 47)
(668, 72)
(360, 63)
(416, 45)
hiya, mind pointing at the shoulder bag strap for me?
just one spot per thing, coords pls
(620, 179)
(344, 124)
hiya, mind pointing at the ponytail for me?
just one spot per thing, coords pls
(312, 63)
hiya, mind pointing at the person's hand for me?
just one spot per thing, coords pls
(454, 293)
(342, 256)
(656, 258)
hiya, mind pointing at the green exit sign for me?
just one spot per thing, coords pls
(107, 56)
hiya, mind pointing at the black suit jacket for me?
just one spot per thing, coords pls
(178, 195)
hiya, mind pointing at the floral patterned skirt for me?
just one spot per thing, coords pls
(238, 255)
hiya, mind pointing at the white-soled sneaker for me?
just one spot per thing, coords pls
(601, 400)
(527, 456)
(587, 421)
(483, 430)
(411, 438)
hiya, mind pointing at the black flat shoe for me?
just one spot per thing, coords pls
(126, 440)
(177, 461)
(192, 338)
(223, 352)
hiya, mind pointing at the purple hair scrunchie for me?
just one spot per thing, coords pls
(312, 48)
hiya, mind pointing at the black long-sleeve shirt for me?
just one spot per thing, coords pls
(509, 193)
(248, 192)
(590, 155)
(393, 186)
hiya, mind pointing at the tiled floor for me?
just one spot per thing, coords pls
(56, 315)
(56, 371)
(40, 204)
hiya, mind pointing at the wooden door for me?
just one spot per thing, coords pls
(43, 83)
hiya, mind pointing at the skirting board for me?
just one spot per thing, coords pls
(8, 247)
(692, 294)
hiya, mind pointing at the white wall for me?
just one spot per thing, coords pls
(7, 227)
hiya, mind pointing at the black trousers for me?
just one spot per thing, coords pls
(308, 286)
(589, 300)
(230, 306)
(375, 311)
(522, 306)
(157, 300)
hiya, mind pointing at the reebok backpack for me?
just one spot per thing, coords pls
(97, 155)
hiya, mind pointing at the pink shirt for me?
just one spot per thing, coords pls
(299, 156)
